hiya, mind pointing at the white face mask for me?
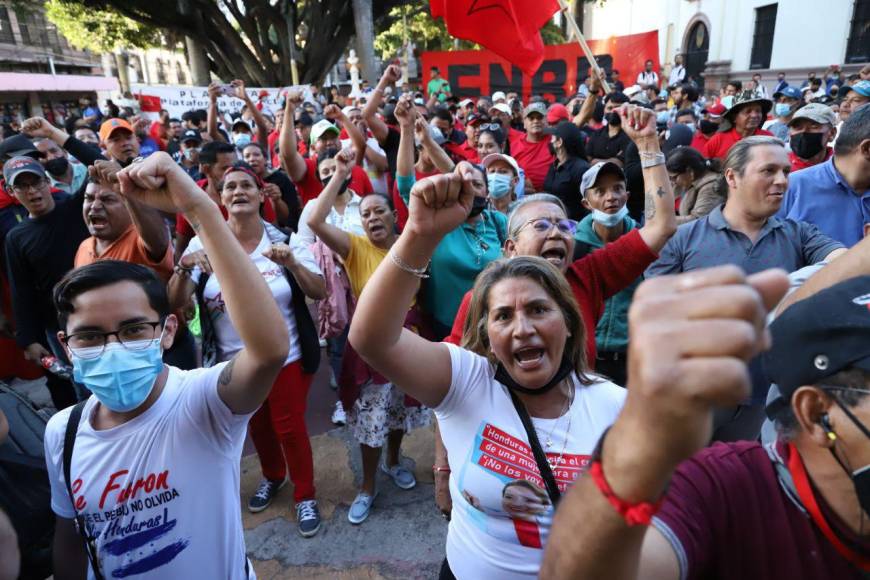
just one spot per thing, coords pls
(609, 220)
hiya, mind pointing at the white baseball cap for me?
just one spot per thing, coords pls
(501, 107)
(499, 96)
(493, 157)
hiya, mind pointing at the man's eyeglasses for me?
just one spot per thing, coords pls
(545, 225)
(26, 187)
(90, 344)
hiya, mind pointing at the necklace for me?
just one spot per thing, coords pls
(478, 245)
(554, 464)
(548, 441)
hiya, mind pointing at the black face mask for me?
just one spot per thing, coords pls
(860, 477)
(806, 145)
(708, 127)
(613, 119)
(330, 152)
(57, 166)
(565, 369)
(325, 181)
(478, 204)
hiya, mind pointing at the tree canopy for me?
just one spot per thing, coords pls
(99, 30)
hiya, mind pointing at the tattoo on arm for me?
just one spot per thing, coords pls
(194, 223)
(649, 206)
(660, 192)
(226, 375)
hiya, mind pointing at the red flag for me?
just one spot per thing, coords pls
(509, 28)
(149, 103)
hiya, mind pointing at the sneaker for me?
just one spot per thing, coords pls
(361, 507)
(403, 478)
(307, 518)
(264, 495)
(322, 343)
(339, 417)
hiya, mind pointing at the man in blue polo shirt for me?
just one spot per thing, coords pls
(835, 195)
(746, 232)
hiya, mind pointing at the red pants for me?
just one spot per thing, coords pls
(280, 435)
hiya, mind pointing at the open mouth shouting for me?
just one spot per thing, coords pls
(529, 358)
(556, 255)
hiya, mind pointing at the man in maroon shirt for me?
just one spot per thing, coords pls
(532, 148)
(742, 120)
(792, 509)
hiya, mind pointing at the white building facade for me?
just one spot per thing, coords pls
(736, 38)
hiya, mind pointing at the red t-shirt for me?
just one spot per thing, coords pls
(182, 226)
(798, 163)
(593, 278)
(468, 152)
(719, 144)
(727, 517)
(534, 158)
(310, 186)
(699, 142)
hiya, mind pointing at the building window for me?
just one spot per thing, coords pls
(762, 40)
(161, 72)
(858, 49)
(179, 73)
(6, 34)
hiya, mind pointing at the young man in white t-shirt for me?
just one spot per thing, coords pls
(154, 471)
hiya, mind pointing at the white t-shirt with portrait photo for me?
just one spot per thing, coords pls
(501, 512)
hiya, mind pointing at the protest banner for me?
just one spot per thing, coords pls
(475, 73)
(179, 98)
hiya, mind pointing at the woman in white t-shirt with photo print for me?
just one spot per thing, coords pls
(278, 428)
(519, 412)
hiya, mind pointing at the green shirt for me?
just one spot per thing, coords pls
(458, 259)
(436, 85)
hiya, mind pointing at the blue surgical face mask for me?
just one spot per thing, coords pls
(781, 109)
(242, 140)
(499, 185)
(122, 377)
(609, 220)
(662, 117)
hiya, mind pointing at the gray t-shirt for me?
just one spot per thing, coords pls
(710, 241)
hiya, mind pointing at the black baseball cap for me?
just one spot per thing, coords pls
(819, 337)
(191, 135)
(17, 146)
(566, 131)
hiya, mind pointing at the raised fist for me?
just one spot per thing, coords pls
(37, 127)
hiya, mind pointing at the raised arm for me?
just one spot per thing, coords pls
(148, 221)
(588, 106)
(436, 153)
(292, 161)
(337, 239)
(692, 336)
(311, 283)
(259, 119)
(405, 114)
(661, 220)
(422, 368)
(357, 139)
(370, 113)
(212, 113)
(39, 127)
(247, 379)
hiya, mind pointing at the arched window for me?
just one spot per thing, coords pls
(697, 48)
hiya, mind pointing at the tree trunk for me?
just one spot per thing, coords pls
(123, 62)
(197, 61)
(365, 39)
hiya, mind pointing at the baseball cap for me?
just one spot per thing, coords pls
(241, 123)
(819, 337)
(110, 126)
(501, 107)
(320, 128)
(17, 146)
(566, 131)
(788, 92)
(822, 114)
(304, 120)
(465, 102)
(716, 110)
(557, 112)
(499, 96)
(21, 164)
(862, 87)
(493, 157)
(191, 135)
(591, 175)
(537, 107)
(475, 119)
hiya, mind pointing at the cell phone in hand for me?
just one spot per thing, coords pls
(228, 90)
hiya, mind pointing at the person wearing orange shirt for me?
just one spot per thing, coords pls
(743, 119)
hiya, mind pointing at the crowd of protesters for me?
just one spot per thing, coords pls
(587, 299)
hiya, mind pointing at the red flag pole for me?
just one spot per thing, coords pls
(566, 12)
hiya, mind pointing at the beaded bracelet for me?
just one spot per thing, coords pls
(401, 265)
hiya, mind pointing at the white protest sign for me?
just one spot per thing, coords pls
(177, 99)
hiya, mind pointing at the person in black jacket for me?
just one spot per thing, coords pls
(39, 252)
(566, 172)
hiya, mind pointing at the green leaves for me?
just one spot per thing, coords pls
(99, 30)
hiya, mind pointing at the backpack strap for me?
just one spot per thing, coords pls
(69, 441)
